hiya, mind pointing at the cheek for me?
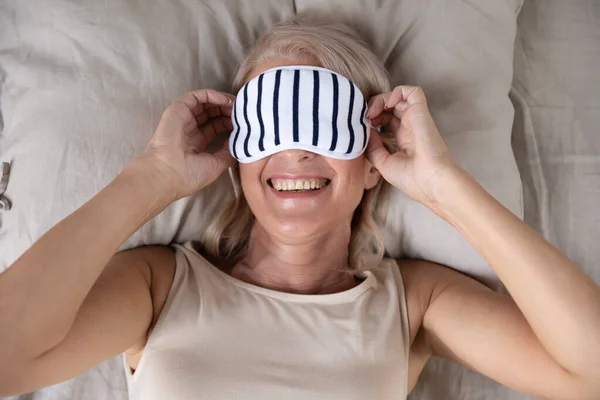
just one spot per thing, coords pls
(251, 183)
(352, 172)
(351, 183)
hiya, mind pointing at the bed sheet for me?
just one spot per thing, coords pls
(556, 141)
(557, 147)
(556, 137)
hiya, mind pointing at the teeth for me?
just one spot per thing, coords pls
(298, 184)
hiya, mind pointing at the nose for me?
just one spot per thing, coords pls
(295, 155)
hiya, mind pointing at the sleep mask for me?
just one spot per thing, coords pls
(299, 107)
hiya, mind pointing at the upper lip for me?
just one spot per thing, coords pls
(307, 177)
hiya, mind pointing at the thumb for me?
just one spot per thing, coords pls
(210, 166)
(224, 159)
(376, 152)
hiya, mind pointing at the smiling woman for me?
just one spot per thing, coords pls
(291, 296)
(309, 40)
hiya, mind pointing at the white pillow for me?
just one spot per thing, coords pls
(83, 87)
(462, 55)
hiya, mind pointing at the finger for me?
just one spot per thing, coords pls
(216, 126)
(377, 105)
(215, 111)
(394, 125)
(399, 100)
(383, 119)
(400, 109)
(224, 159)
(199, 138)
(388, 120)
(376, 152)
(199, 100)
(212, 112)
(202, 118)
(211, 96)
(211, 166)
(413, 95)
(207, 113)
(396, 96)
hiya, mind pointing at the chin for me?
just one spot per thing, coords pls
(300, 225)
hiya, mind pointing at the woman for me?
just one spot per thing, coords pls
(296, 301)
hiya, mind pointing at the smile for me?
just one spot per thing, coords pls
(298, 185)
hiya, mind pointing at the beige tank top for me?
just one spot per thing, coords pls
(221, 338)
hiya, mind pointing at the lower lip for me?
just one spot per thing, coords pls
(298, 195)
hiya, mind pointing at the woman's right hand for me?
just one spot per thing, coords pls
(177, 151)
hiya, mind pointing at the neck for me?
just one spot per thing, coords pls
(309, 266)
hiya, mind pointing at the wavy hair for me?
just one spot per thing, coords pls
(335, 45)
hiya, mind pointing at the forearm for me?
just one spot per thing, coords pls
(561, 304)
(42, 291)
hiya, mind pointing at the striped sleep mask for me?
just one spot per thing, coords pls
(299, 107)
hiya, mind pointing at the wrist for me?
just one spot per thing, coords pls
(151, 179)
(451, 185)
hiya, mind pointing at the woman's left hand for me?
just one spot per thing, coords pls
(422, 156)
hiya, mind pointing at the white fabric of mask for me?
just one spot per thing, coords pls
(299, 107)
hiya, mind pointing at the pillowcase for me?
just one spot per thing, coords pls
(462, 56)
(83, 88)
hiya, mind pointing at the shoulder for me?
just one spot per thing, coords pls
(420, 279)
(424, 279)
(424, 282)
(157, 264)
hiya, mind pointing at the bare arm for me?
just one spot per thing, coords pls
(50, 282)
(548, 339)
(466, 322)
(550, 334)
(115, 316)
(48, 308)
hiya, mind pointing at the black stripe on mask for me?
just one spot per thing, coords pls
(362, 122)
(350, 128)
(247, 121)
(336, 95)
(259, 114)
(237, 129)
(315, 140)
(296, 128)
(276, 106)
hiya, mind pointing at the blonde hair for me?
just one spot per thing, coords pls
(336, 46)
